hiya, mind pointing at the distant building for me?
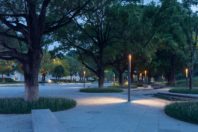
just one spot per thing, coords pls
(17, 76)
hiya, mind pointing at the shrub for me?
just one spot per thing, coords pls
(101, 90)
(19, 106)
(185, 111)
(184, 90)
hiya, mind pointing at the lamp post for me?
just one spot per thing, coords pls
(186, 74)
(145, 73)
(84, 75)
(140, 77)
(129, 78)
(114, 78)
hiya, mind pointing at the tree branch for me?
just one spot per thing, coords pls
(19, 27)
(65, 19)
(72, 44)
(13, 15)
(84, 30)
(86, 65)
(12, 53)
(12, 36)
(43, 13)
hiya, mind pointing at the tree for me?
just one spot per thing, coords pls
(170, 53)
(27, 21)
(178, 38)
(91, 38)
(6, 68)
(58, 72)
(46, 65)
(190, 27)
(74, 66)
(135, 31)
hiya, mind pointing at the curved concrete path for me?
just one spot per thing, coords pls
(100, 112)
(111, 113)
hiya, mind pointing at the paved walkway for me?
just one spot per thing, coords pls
(101, 112)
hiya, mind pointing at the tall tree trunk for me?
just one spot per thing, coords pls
(149, 79)
(191, 68)
(171, 74)
(70, 77)
(43, 77)
(101, 82)
(121, 79)
(101, 77)
(190, 78)
(31, 72)
(132, 72)
(138, 77)
(2, 77)
(171, 78)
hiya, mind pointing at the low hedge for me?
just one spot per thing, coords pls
(19, 106)
(101, 90)
(184, 90)
(185, 111)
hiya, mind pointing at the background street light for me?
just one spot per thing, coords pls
(140, 76)
(145, 73)
(187, 74)
(84, 75)
(129, 78)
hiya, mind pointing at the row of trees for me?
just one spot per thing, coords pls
(56, 67)
(162, 38)
(61, 66)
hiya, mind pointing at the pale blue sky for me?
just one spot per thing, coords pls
(148, 1)
(195, 8)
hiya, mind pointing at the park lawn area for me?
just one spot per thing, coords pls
(101, 90)
(19, 106)
(182, 83)
(184, 90)
(185, 111)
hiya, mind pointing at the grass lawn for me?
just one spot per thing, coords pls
(185, 111)
(101, 90)
(184, 90)
(182, 83)
(19, 106)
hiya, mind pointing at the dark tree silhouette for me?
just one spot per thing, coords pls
(28, 21)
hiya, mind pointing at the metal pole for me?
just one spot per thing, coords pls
(129, 78)
(187, 72)
(145, 73)
(84, 78)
